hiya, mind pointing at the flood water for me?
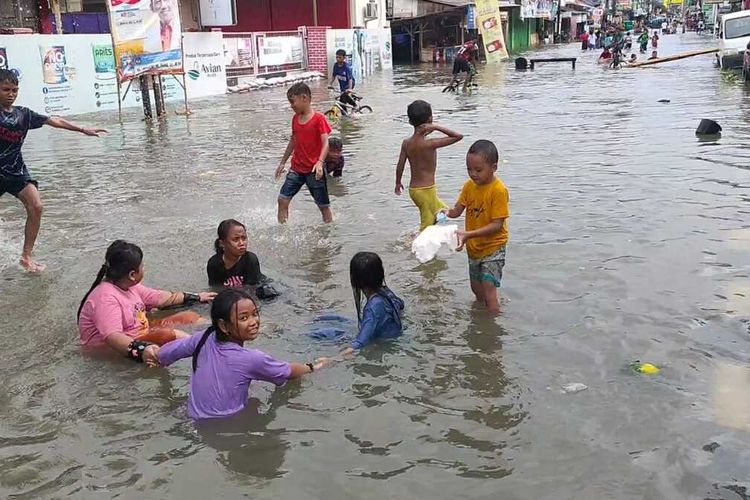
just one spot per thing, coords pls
(629, 240)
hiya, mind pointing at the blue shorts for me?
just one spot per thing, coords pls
(15, 184)
(488, 268)
(318, 188)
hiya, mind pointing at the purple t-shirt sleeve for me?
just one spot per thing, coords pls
(150, 296)
(36, 120)
(178, 349)
(261, 366)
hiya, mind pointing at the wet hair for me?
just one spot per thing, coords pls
(341, 52)
(366, 273)
(8, 76)
(121, 258)
(222, 306)
(223, 232)
(419, 112)
(335, 144)
(299, 89)
(486, 149)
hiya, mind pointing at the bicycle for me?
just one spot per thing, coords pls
(616, 49)
(341, 108)
(457, 83)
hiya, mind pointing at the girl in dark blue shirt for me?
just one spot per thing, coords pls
(381, 316)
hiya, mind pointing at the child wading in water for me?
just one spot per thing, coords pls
(233, 265)
(422, 156)
(308, 148)
(15, 122)
(222, 368)
(113, 311)
(381, 316)
(335, 159)
(485, 199)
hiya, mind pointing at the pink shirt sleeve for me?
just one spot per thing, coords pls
(107, 316)
(150, 296)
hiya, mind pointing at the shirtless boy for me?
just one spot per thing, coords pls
(422, 155)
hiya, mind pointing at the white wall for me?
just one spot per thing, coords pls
(357, 12)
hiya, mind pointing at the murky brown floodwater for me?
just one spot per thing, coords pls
(629, 240)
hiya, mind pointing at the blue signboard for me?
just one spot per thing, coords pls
(471, 17)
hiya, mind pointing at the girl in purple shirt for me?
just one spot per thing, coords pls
(222, 367)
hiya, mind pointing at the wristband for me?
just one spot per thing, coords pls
(311, 367)
(190, 298)
(135, 350)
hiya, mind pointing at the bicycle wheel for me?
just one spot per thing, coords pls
(364, 110)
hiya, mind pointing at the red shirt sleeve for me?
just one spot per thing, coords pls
(323, 126)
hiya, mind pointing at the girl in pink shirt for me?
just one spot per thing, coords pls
(113, 311)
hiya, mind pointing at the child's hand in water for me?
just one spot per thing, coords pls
(322, 363)
(151, 356)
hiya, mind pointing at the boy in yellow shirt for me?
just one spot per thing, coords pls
(485, 199)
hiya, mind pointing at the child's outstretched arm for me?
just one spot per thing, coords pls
(454, 212)
(400, 170)
(287, 154)
(58, 122)
(451, 137)
(298, 370)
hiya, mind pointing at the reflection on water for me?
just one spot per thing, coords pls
(629, 240)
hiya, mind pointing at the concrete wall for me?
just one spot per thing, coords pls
(357, 12)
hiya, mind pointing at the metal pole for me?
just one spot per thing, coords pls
(315, 12)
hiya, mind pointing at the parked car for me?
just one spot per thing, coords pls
(734, 36)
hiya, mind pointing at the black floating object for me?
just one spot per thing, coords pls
(664, 101)
(522, 63)
(708, 127)
(711, 447)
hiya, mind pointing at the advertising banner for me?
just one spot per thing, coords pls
(280, 50)
(239, 52)
(367, 50)
(537, 8)
(218, 12)
(204, 64)
(75, 74)
(147, 36)
(491, 29)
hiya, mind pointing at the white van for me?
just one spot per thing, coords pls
(734, 35)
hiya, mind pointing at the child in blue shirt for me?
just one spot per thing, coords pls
(381, 316)
(342, 73)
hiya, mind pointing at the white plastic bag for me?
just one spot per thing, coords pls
(427, 244)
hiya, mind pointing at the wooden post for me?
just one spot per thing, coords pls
(159, 96)
(58, 16)
(143, 82)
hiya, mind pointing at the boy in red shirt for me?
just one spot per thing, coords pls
(308, 148)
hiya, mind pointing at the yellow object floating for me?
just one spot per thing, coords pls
(646, 368)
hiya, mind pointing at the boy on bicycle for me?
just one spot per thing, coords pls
(463, 63)
(342, 73)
